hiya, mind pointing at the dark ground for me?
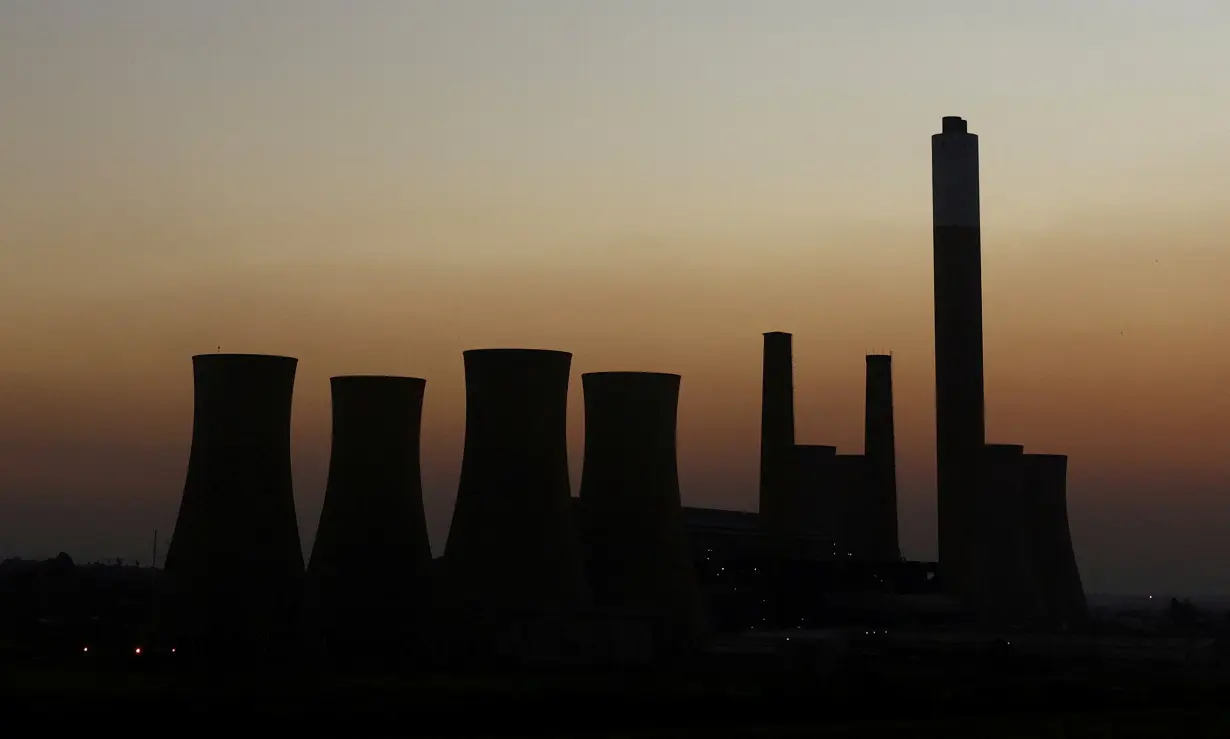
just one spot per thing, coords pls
(989, 702)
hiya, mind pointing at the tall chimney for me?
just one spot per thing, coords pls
(637, 556)
(879, 446)
(513, 546)
(1046, 483)
(776, 432)
(234, 566)
(959, 421)
(370, 563)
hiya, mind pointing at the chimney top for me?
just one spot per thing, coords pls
(955, 124)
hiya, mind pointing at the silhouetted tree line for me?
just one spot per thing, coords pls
(56, 606)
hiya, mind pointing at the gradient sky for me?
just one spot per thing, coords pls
(651, 184)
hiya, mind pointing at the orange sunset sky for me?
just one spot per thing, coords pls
(374, 187)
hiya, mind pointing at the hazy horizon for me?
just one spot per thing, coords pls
(651, 185)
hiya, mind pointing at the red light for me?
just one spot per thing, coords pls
(138, 650)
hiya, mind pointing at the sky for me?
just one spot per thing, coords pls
(374, 187)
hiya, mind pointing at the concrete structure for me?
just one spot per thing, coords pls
(637, 556)
(849, 480)
(513, 545)
(776, 432)
(813, 507)
(234, 567)
(879, 446)
(959, 420)
(1046, 485)
(1005, 585)
(369, 571)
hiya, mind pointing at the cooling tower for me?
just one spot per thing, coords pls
(957, 254)
(1046, 483)
(369, 565)
(637, 556)
(513, 544)
(848, 477)
(879, 446)
(776, 432)
(814, 506)
(1006, 589)
(234, 567)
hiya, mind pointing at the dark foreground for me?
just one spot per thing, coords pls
(989, 700)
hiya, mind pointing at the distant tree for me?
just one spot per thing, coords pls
(1182, 613)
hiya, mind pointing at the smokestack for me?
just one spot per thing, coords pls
(879, 445)
(776, 432)
(1046, 483)
(1006, 587)
(814, 508)
(234, 565)
(369, 565)
(957, 255)
(513, 544)
(849, 481)
(638, 559)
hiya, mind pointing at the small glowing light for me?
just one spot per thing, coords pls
(138, 650)
(86, 649)
(172, 651)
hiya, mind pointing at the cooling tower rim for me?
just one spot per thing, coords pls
(777, 333)
(1005, 448)
(631, 375)
(236, 355)
(825, 447)
(1047, 457)
(512, 351)
(378, 379)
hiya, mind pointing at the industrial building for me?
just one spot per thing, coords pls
(369, 573)
(847, 478)
(636, 554)
(813, 509)
(234, 567)
(815, 503)
(1006, 585)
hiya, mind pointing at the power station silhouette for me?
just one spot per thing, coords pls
(624, 559)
